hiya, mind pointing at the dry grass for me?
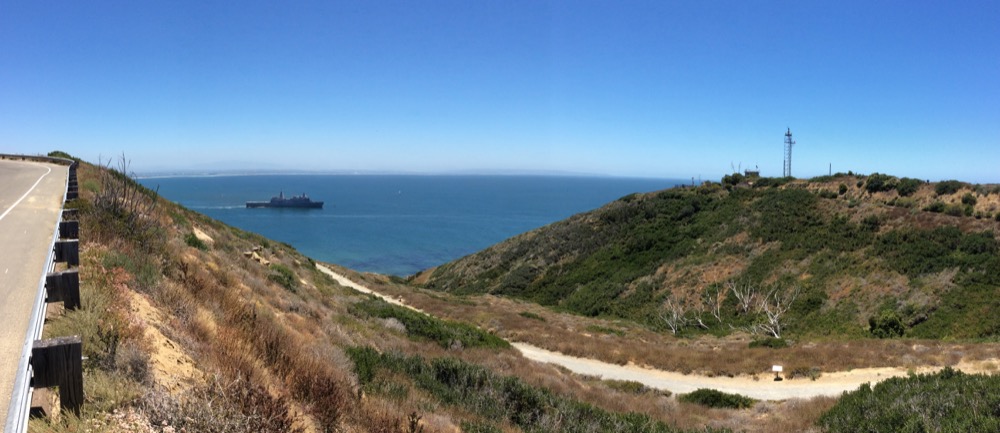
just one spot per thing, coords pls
(705, 355)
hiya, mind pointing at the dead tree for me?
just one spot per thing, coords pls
(773, 306)
(746, 295)
(674, 314)
(712, 300)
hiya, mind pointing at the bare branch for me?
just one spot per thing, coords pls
(746, 295)
(774, 306)
(674, 314)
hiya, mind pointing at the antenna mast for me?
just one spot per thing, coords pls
(788, 153)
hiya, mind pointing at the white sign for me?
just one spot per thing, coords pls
(776, 369)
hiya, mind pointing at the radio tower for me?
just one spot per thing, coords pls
(788, 152)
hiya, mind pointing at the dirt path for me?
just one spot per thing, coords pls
(829, 384)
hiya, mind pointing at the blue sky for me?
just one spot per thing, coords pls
(652, 89)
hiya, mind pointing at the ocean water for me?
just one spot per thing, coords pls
(397, 224)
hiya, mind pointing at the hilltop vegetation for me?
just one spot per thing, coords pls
(844, 256)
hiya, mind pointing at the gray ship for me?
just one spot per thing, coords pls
(280, 201)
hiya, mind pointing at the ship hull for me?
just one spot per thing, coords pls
(267, 204)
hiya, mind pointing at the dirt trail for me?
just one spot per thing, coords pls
(829, 384)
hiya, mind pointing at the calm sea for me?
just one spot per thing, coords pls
(397, 224)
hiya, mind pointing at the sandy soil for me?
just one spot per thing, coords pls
(202, 236)
(171, 367)
(763, 388)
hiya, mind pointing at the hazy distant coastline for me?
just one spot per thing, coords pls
(158, 174)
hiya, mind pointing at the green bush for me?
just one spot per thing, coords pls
(283, 276)
(880, 182)
(772, 182)
(605, 330)
(907, 186)
(936, 207)
(886, 324)
(957, 210)
(946, 401)
(629, 386)
(969, 199)
(733, 179)
(192, 241)
(717, 399)
(842, 189)
(495, 397)
(948, 187)
(446, 333)
(532, 316)
(61, 154)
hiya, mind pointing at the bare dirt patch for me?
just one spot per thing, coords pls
(170, 366)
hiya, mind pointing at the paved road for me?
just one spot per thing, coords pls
(31, 196)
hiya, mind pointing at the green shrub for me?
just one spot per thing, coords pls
(936, 207)
(771, 182)
(733, 179)
(828, 194)
(192, 241)
(946, 401)
(770, 343)
(969, 199)
(530, 315)
(283, 276)
(629, 386)
(880, 182)
(446, 333)
(842, 189)
(717, 399)
(605, 330)
(886, 324)
(948, 187)
(956, 210)
(907, 186)
(498, 398)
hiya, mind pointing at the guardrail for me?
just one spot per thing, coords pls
(55, 362)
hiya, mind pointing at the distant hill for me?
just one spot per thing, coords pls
(844, 255)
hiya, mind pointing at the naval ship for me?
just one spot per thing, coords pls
(299, 201)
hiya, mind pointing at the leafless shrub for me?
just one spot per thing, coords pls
(124, 207)
(220, 407)
(133, 362)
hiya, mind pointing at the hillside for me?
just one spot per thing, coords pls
(192, 325)
(841, 256)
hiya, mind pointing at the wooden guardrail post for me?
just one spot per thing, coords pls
(59, 362)
(69, 229)
(72, 187)
(68, 251)
(63, 287)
